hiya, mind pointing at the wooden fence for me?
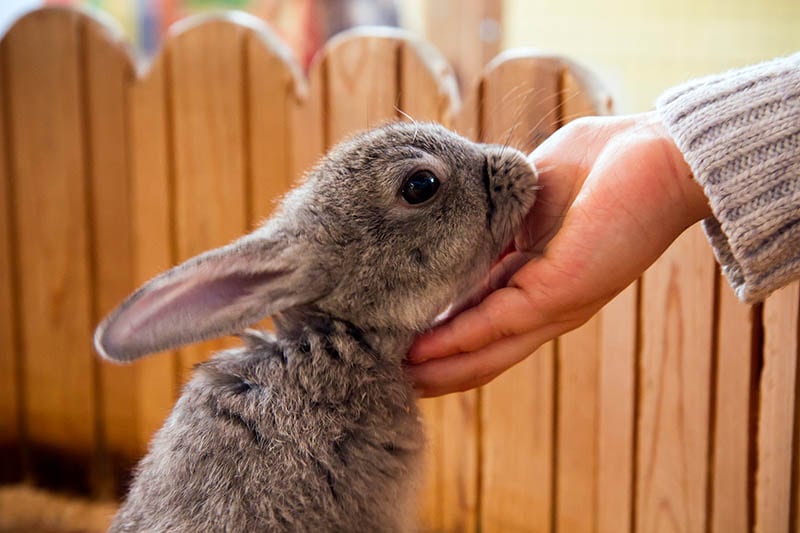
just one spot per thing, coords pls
(672, 410)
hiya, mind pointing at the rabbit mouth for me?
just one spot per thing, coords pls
(506, 264)
(508, 250)
(518, 251)
(522, 248)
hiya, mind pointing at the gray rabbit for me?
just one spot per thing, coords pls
(315, 428)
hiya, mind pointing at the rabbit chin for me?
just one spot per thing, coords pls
(505, 266)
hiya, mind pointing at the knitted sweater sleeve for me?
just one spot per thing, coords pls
(740, 134)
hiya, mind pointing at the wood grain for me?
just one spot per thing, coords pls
(582, 93)
(107, 73)
(430, 516)
(459, 465)
(272, 85)
(47, 136)
(577, 426)
(521, 100)
(677, 325)
(467, 33)
(152, 212)
(776, 410)
(467, 121)
(11, 433)
(519, 107)
(208, 141)
(517, 428)
(733, 417)
(361, 76)
(616, 412)
(308, 122)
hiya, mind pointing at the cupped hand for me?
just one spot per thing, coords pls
(615, 193)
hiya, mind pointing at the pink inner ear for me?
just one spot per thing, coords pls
(187, 310)
(195, 297)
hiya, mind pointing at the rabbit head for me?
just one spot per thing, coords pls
(387, 231)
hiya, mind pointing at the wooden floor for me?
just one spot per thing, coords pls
(24, 508)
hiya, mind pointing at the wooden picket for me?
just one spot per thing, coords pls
(616, 412)
(11, 437)
(108, 72)
(734, 428)
(674, 396)
(674, 408)
(272, 84)
(152, 212)
(47, 145)
(777, 412)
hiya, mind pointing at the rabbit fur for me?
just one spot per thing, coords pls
(315, 428)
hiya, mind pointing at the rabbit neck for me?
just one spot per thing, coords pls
(331, 360)
(371, 344)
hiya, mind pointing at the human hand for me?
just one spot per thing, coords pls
(615, 193)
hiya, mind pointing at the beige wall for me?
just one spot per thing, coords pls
(642, 47)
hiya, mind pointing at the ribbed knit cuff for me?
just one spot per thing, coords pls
(740, 134)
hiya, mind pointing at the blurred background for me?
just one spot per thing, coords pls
(638, 48)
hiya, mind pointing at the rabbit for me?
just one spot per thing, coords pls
(315, 427)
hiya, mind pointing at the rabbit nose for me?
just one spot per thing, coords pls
(508, 167)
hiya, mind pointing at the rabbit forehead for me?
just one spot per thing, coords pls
(361, 189)
(396, 143)
(370, 169)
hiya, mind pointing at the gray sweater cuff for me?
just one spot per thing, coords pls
(740, 134)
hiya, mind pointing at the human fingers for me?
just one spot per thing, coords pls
(466, 371)
(503, 313)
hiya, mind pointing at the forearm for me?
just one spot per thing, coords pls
(740, 134)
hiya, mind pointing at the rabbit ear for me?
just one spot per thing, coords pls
(214, 294)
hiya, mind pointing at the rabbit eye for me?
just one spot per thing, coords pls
(420, 187)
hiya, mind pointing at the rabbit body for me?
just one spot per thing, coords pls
(312, 432)
(316, 429)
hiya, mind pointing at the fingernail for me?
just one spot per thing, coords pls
(415, 358)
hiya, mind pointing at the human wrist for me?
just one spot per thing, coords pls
(690, 197)
(736, 130)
